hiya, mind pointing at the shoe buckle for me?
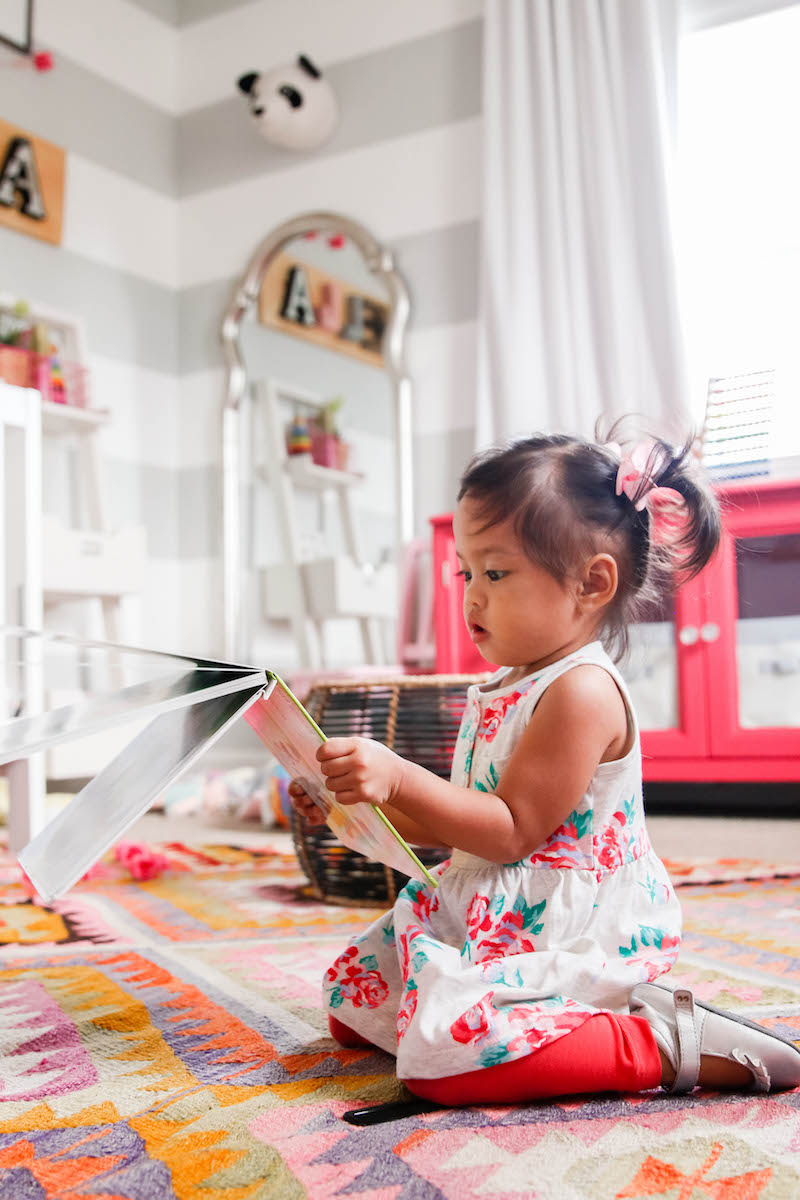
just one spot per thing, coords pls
(688, 1067)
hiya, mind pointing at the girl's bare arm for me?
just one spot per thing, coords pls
(571, 728)
(414, 832)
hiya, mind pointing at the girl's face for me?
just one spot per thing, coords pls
(517, 614)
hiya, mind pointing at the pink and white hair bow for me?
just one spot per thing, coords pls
(635, 477)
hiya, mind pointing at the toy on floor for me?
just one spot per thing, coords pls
(248, 793)
(141, 860)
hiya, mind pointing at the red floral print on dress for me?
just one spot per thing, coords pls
(479, 919)
(569, 845)
(409, 1007)
(670, 948)
(505, 939)
(504, 929)
(360, 982)
(474, 1025)
(407, 940)
(363, 987)
(495, 714)
(612, 844)
(547, 1028)
(332, 973)
(622, 840)
(424, 901)
(373, 989)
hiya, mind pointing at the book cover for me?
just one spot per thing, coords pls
(190, 704)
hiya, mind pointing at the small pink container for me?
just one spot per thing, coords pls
(59, 380)
(324, 448)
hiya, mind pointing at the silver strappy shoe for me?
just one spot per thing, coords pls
(686, 1029)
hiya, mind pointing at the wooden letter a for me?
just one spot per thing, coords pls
(297, 304)
(19, 175)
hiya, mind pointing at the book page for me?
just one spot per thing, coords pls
(90, 714)
(109, 804)
(289, 732)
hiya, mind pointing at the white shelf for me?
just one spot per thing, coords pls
(308, 593)
(306, 473)
(91, 562)
(66, 418)
(335, 586)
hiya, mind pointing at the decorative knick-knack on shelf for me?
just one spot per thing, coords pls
(32, 356)
(298, 436)
(327, 447)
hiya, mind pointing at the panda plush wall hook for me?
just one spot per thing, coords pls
(293, 105)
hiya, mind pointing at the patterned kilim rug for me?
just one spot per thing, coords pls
(165, 1038)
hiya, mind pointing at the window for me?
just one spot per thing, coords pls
(738, 424)
(738, 214)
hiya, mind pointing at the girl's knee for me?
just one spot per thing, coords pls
(344, 1035)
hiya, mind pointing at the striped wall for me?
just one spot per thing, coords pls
(116, 269)
(169, 190)
(404, 161)
(409, 92)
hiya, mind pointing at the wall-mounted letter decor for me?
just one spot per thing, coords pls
(31, 184)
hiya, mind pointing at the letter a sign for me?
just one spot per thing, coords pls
(31, 184)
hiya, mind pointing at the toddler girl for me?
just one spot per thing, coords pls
(530, 971)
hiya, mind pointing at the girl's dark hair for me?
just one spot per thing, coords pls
(560, 492)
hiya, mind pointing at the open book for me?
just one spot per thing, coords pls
(190, 703)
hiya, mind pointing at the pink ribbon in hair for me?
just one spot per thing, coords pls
(635, 478)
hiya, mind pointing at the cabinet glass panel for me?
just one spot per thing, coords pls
(651, 668)
(768, 630)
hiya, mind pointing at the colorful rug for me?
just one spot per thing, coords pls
(164, 1039)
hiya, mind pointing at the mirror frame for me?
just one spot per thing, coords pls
(380, 260)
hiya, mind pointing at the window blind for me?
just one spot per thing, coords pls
(738, 421)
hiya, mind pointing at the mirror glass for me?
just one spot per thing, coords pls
(319, 461)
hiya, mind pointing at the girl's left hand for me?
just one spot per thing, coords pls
(360, 770)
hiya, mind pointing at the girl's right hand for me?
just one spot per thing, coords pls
(303, 803)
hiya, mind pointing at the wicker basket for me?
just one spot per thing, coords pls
(418, 717)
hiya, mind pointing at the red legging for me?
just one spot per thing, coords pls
(607, 1053)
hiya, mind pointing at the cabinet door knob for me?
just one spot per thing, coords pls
(709, 632)
(688, 635)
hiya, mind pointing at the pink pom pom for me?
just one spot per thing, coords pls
(43, 61)
(141, 861)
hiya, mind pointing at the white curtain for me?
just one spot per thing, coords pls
(578, 299)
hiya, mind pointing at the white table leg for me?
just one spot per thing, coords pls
(26, 800)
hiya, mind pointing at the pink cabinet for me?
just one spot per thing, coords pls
(455, 652)
(714, 671)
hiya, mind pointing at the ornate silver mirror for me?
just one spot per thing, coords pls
(317, 477)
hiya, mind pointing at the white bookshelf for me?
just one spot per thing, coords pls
(64, 418)
(21, 596)
(308, 590)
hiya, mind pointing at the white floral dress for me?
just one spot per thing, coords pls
(502, 959)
